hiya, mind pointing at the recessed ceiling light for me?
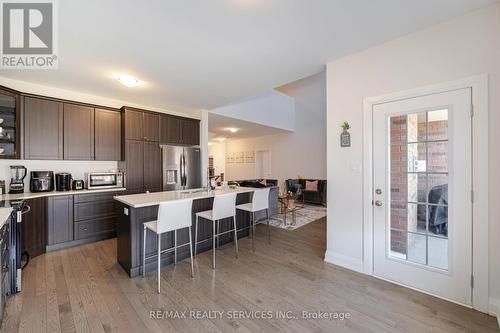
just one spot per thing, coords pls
(221, 139)
(210, 143)
(128, 81)
(232, 129)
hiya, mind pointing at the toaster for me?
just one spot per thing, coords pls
(78, 184)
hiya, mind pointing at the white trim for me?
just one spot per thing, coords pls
(342, 260)
(494, 309)
(480, 177)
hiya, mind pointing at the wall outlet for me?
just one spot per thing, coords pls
(125, 211)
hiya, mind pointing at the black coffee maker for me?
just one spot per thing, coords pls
(18, 173)
(63, 181)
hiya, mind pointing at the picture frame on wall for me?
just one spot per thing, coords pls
(249, 157)
(239, 157)
(230, 157)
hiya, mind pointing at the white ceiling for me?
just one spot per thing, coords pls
(203, 54)
(218, 127)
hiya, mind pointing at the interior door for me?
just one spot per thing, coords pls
(422, 193)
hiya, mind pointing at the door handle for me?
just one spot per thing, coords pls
(184, 167)
(378, 203)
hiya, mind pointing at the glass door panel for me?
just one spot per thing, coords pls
(419, 188)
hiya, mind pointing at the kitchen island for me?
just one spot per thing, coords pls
(135, 209)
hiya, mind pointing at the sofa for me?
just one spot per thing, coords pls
(255, 183)
(315, 197)
(273, 193)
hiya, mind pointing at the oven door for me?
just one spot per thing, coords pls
(103, 180)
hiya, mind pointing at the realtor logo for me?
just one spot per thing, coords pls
(28, 35)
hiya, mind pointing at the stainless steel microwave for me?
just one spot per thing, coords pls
(97, 180)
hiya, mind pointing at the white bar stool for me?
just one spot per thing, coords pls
(260, 201)
(224, 207)
(172, 216)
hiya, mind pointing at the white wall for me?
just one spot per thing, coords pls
(302, 152)
(463, 47)
(272, 109)
(76, 168)
(218, 151)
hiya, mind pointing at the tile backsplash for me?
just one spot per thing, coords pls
(76, 168)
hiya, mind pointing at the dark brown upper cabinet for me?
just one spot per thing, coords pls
(43, 129)
(152, 167)
(190, 131)
(10, 126)
(177, 130)
(151, 128)
(78, 132)
(134, 124)
(107, 135)
(170, 129)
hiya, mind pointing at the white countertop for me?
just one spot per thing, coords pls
(30, 195)
(153, 199)
(4, 215)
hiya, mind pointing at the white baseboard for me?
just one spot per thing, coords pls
(494, 308)
(342, 260)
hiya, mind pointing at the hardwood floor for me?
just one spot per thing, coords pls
(83, 289)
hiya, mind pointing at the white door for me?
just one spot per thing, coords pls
(262, 164)
(422, 190)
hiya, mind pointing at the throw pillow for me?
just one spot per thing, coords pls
(312, 185)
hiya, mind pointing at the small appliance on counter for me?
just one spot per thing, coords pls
(78, 184)
(97, 180)
(41, 181)
(63, 181)
(18, 173)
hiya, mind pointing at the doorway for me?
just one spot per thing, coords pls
(422, 185)
(262, 164)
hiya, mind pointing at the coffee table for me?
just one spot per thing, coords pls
(288, 205)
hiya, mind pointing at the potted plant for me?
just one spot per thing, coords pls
(345, 136)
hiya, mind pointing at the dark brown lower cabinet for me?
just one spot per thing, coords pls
(95, 215)
(60, 219)
(34, 227)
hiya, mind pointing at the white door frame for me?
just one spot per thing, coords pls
(480, 177)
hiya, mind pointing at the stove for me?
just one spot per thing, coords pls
(13, 269)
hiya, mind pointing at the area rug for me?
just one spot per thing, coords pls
(303, 216)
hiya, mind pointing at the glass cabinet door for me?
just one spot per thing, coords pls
(9, 125)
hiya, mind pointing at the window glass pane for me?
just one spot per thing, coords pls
(417, 246)
(416, 127)
(438, 156)
(398, 129)
(417, 187)
(417, 217)
(438, 252)
(399, 162)
(399, 188)
(438, 125)
(398, 215)
(438, 220)
(437, 188)
(417, 157)
(398, 244)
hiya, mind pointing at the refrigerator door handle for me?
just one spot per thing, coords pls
(184, 167)
(181, 170)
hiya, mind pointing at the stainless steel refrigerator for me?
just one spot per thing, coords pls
(181, 167)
